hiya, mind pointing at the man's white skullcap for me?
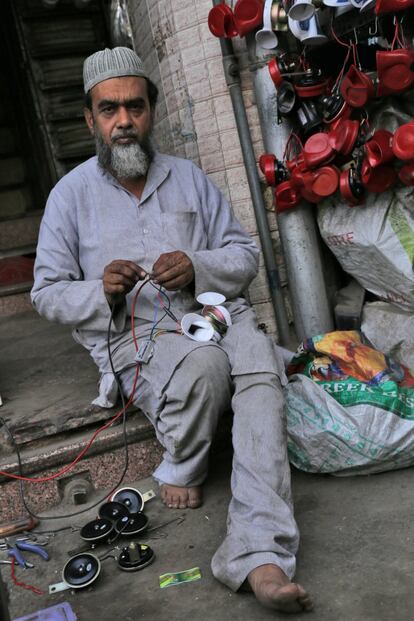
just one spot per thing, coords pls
(115, 63)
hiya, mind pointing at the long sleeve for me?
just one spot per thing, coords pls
(231, 261)
(60, 292)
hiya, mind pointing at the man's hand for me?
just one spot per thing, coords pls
(119, 278)
(173, 270)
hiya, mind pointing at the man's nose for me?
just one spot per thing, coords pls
(123, 119)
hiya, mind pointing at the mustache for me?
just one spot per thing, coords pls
(125, 134)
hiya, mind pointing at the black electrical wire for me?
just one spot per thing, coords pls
(126, 462)
(166, 310)
(125, 440)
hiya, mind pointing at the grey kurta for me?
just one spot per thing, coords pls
(90, 220)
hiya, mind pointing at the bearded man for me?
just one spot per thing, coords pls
(130, 212)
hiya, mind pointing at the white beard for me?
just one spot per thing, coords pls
(129, 160)
(124, 161)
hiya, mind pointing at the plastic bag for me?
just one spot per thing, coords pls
(390, 330)
(350, 409)
(375, 242)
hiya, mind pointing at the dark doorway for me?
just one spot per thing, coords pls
(42, 131)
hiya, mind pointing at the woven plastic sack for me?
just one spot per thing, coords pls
(350, 410)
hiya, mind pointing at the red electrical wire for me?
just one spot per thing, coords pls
(98, 431)
(29, 587)
(83, 451)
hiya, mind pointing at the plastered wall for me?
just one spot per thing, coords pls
(195, 117)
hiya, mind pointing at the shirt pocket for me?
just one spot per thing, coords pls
(182, 230)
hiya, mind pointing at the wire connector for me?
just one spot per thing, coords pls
(145, 351)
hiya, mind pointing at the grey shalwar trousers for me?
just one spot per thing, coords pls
(260, 527)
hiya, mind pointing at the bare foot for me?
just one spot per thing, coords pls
(273, 589)
(181, 497)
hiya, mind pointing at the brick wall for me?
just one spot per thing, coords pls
(195, 116)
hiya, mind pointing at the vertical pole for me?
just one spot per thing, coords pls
(231, 71)
(297, 227)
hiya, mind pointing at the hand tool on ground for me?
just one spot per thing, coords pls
(16, 550)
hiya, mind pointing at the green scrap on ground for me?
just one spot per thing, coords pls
(173, 578)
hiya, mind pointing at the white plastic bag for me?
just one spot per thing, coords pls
(391, 330)
(375, 242)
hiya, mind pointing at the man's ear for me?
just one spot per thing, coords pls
(89, 120)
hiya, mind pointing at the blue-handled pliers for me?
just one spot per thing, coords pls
(19, 546)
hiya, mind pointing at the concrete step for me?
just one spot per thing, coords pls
(15, 303)
(17, 232)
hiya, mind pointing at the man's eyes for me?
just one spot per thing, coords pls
(134, 108)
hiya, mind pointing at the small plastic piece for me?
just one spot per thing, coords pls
(145, 351)
(173, 578)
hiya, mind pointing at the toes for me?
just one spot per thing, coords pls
(174, 502)
(194, 498)
(194, 503)
(304, 598)
(306, 602)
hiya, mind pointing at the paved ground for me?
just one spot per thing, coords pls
(356, 557)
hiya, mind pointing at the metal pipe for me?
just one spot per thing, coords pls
(297, 228)
(232, 74)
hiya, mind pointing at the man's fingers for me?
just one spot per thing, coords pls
(114, 289)
(175, 284)
(173, 270)
(120, 277)
(168, 274)
(163, 264)
(127, 268)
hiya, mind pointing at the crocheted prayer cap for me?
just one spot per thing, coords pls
(115, 63)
